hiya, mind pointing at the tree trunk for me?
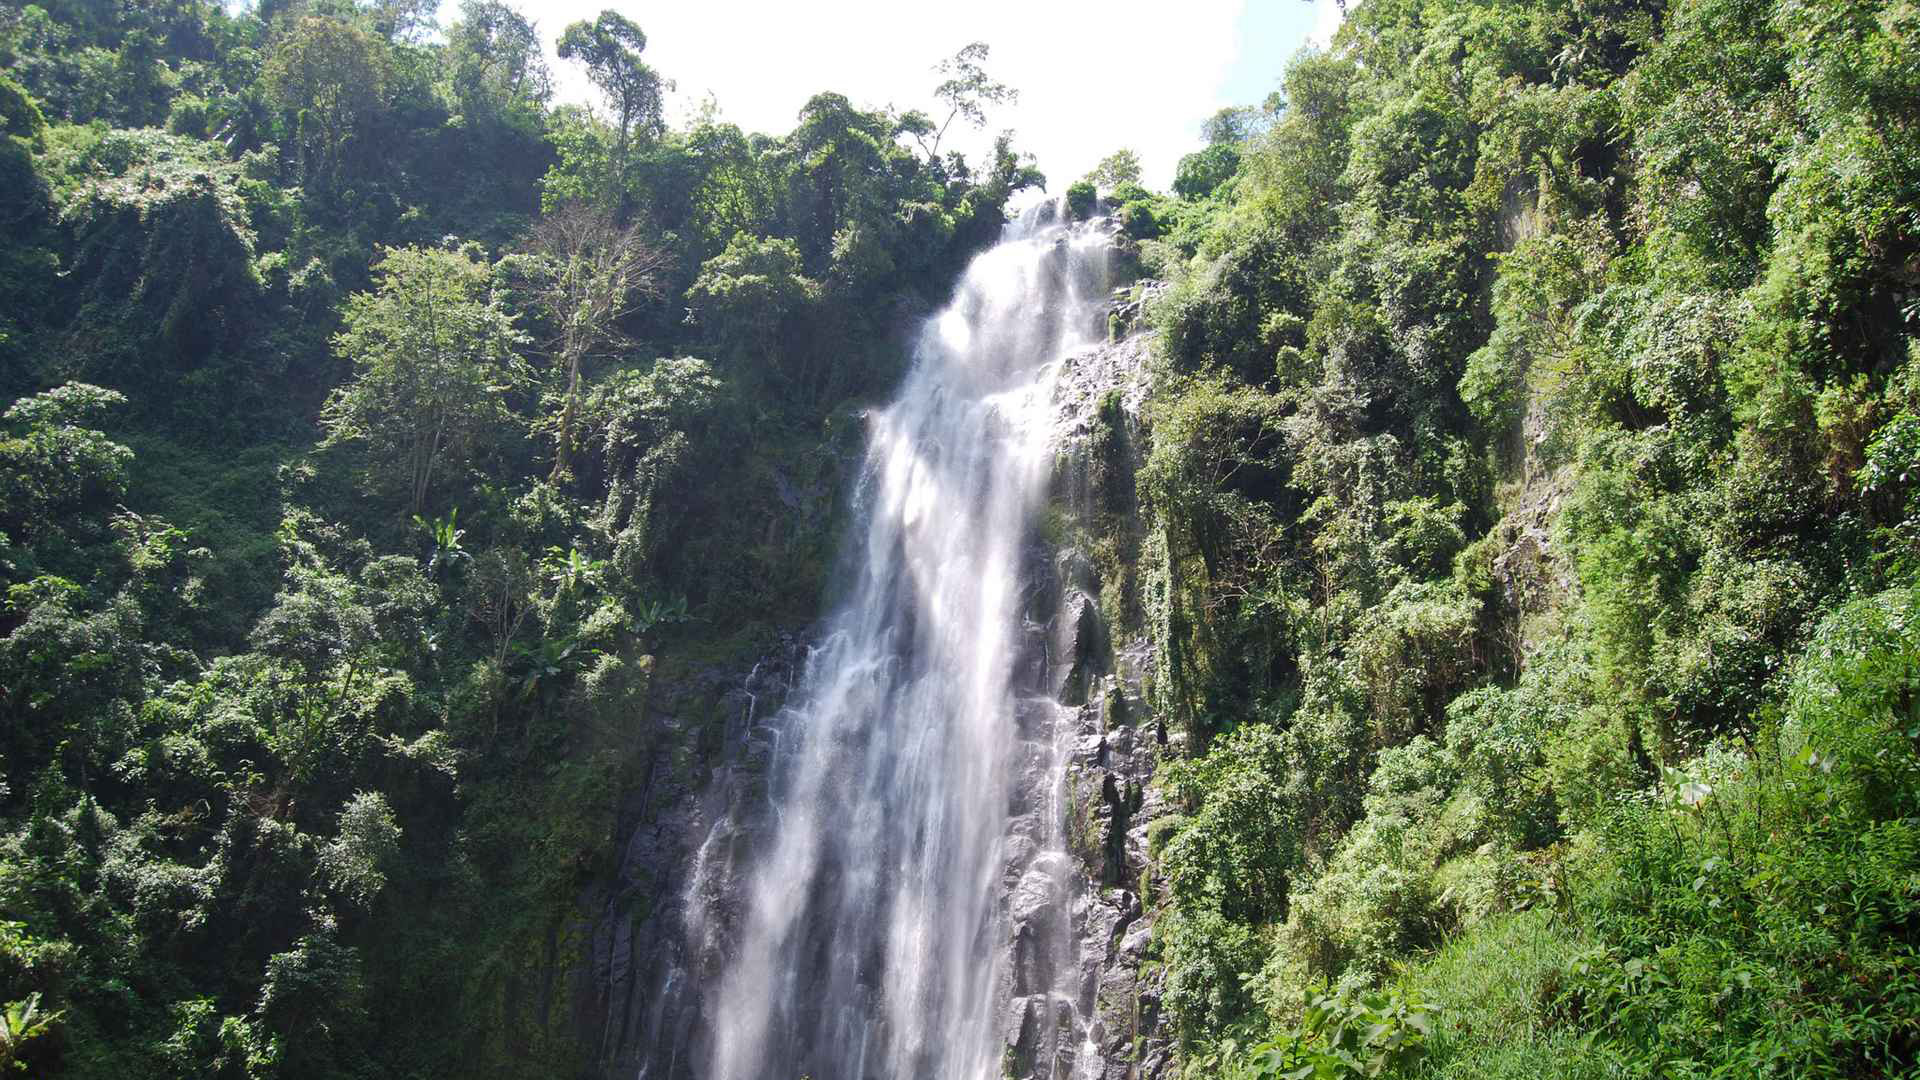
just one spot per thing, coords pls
(563, 448)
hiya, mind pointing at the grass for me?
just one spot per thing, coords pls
(1494, 987)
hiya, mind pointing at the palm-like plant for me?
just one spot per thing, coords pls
(446, 541)
(19, 1022)
(569, 570)
(547, 662)
(652, 613)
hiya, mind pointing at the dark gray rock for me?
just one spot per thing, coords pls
(1079, 999)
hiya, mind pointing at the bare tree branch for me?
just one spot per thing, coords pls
(597, 274)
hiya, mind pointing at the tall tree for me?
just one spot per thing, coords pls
(433, 356)
(1202, 171)
(595, 272)
(967, 91)
(1120, 167)
(402, 20)
(494, 63)
(843, 170)
(331, 76)
(734, 191)
(1235, 124)
(610, 47)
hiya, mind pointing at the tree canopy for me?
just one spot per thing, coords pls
(375, 440)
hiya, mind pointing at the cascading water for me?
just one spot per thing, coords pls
(871, 935)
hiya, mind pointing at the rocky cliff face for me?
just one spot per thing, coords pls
(637, 984)
(1081, 1000)
(1107, 1023)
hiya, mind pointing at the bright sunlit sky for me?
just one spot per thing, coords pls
(1093, 76)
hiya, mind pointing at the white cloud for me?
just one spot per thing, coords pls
(1327, 17)
(1092, 77)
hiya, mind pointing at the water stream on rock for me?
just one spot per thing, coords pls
(871, 939)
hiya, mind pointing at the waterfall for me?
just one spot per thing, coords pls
(870, 936)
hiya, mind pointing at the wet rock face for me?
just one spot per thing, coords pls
(1081, 929)
(1078, 1003)
(636, 990)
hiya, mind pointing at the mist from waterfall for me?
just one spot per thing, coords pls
(870, 938)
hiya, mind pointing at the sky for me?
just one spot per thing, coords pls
(1093, 77)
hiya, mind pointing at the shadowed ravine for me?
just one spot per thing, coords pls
(871, 931)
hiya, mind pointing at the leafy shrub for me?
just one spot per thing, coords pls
(1199, 174)
(1081, 197)
(1755, 911)
(356, 859)
(1340, 1035)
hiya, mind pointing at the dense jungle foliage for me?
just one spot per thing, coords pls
(378, 430)
(1531, 522)
(1531, 514)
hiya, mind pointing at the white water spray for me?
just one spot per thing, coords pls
(871, 936)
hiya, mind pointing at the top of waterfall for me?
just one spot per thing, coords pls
(1046, 214)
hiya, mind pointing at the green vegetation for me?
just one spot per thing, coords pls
(1530, 523)
(1531, 518)
(361, 469)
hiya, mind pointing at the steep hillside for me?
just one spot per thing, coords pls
(1530, 547)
